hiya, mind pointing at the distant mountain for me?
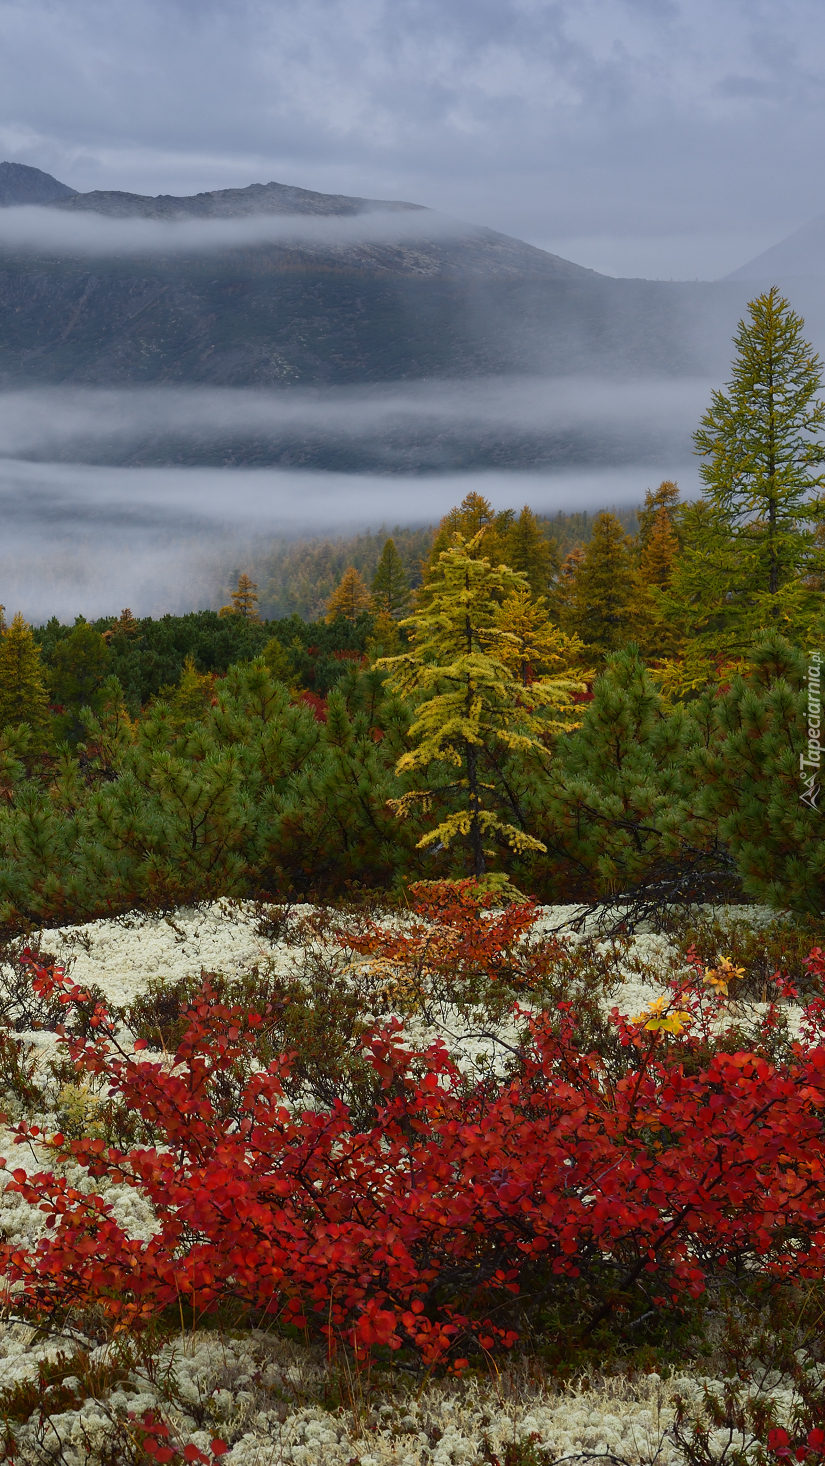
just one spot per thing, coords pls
(436, 246)
(20, 184)
(800, 254)
(442, 300)
(230, 203)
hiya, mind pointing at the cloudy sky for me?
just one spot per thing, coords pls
(667, 138)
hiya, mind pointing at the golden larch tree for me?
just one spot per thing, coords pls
(350, 598)
(244, 600)
(473, 711)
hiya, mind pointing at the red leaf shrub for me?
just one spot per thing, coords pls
(442, 1225)
(461, 938)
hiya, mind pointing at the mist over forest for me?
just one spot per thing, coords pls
(186, 380)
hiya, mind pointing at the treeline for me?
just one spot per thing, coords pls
(148, 656)
(296, 577)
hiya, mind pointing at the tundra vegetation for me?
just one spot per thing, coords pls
(428, 1149)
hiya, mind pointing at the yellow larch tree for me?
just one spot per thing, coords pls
(472, 708)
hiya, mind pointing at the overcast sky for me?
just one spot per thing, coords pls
(669, 138)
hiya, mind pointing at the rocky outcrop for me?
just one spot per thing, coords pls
(20, 184)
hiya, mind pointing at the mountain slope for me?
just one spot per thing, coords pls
(330, 305)
(20, 184)
(799, 254)
(393, 236)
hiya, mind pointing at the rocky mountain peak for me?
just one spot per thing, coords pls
(20, 184)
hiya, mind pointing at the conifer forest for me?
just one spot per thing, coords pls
(504, 1096)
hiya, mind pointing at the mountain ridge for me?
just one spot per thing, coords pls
(20, 184)
(332, 307)
(231, 203)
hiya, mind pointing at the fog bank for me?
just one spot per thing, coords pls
(91, 540)
(418, 425)
(40, 229)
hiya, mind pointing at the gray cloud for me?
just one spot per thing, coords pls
(585, 120)
(70, 423)
(81, 539)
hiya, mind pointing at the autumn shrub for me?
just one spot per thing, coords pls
(582, 1202)
(20, 1007)
(63, 1383)
(767, 1403)
(315, 1016)
(461, 946)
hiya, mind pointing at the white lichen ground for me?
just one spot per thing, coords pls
(262, 1395)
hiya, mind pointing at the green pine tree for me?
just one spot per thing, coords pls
(23, 697)
(79, 667)
(616, 805)
(390, 586)
(760, 779)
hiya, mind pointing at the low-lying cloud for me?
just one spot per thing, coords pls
(80, 539)
(89, 527)
(43, 230)
(130, 425)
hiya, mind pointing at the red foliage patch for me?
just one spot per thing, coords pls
(428, 1229)
(316, 704)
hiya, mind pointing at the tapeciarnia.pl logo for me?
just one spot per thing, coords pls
(813, 758)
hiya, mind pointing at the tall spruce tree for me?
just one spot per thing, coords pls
(23, 697)
(473, 711)
(751, 552)
(659, 552)
(666, 497)
(606, 604)
(659, 547)
(560, 599)
(390, 586)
